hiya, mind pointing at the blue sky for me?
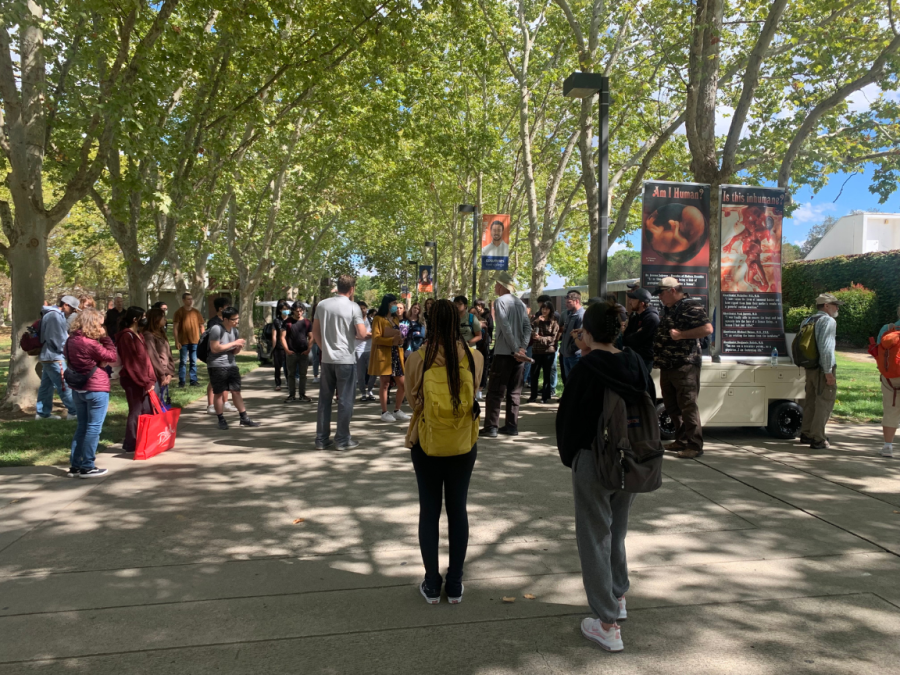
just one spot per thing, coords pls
(813, 209)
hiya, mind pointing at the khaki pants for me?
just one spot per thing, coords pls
(679, 389)
(818, 405)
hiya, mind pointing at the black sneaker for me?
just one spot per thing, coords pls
(454, 593)
(432, 596)
(507, 430)
(195, 383)
(181, 385)
(806, 440)
(247, 422)
(92, 473)
(305, 399)
(290, 399)
(489, 432)
(73, 472)
(324, 446)
(223, 424)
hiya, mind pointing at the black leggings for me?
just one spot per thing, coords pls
(278, 360)
(450, 476)
(542, 362)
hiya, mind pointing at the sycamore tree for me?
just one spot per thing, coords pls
(68, 71)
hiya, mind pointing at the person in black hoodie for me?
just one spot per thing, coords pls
(601, 516)
(642, 325)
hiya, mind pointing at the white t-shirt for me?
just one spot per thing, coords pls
(363, 346)
(338, 318)
(492, 250)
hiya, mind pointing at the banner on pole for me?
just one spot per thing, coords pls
(675, 236)
(751, 218)
(495, 242)
(426, 282)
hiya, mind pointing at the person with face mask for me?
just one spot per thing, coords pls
(281, 315)
(137, 377)
(386, 360)
(821, 384)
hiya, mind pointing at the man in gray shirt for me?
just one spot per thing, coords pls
(821, 384)
(224, 375)
(512, 332)
(338, 324)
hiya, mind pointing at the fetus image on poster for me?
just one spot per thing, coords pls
(751, 249)
(676, 232)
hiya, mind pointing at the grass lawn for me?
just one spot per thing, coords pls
(858, 391)
(30, 442)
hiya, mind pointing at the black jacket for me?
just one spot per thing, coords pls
(640, 331)
(582, 400)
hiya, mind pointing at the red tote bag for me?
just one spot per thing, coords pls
(156, 432)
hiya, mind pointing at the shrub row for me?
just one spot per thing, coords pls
(871, 292)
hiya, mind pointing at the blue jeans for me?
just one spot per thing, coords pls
(188, 351)
(340, 376)
(569, 363)
(91, 407)
(554, 377)
(527, 373)
(52, 378)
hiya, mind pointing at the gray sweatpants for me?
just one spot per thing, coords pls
(601, 523)
(362, 372)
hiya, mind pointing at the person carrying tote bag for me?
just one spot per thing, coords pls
(442, 435)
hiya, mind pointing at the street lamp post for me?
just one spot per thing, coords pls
(468, 208)
(583, 85)
(434, 283)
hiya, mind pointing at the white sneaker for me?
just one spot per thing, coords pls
(610, 640)
(210, 410)
(623, 613)
(400, 415)
(388, 417)
(229, 407)
(315, 380)
(48, 417)
(887, 450)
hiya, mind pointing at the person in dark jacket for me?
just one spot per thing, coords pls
(88, 350)
(601, 516)
(642, 325)
(159, 351)
(137, 377)
(545, 333)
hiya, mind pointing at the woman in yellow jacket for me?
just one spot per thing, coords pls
(386, 359)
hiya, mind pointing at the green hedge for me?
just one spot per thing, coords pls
(803, 280)
(794, 316)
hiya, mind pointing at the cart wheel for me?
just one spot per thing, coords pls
(666, 425)
(785, 419)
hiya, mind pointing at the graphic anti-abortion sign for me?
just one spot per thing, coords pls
(752, 323)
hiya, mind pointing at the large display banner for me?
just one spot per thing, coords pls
(495, 242)
(676, 236)
(752, 322)
(426, 282)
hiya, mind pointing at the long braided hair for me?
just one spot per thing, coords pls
(443, 333)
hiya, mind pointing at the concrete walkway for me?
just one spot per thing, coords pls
(761, 557)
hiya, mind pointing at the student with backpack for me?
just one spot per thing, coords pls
(225, 344)
(53, 332)
(607, 433)
(442, 435)
(887, 358)
(219, 304)
(813, 349)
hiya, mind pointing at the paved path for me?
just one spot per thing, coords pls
(761, 557)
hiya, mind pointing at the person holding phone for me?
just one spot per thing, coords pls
(386, 360)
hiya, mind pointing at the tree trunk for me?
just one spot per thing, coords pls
(245, 307)
(27, 264)
(138, 284)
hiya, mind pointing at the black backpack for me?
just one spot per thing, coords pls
(627, 448)
(203, 347)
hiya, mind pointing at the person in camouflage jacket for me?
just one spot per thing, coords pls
(677, 354)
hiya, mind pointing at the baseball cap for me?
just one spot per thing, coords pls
(827, 299)
(666, 282)
(641, 294)
(633, 286)
(70, 300)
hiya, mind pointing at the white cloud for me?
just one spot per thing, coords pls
(809, 213)
(799, 242)
(617, 246)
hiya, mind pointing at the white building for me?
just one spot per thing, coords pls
(859, 233)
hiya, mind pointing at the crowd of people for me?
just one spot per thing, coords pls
(441, 360)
